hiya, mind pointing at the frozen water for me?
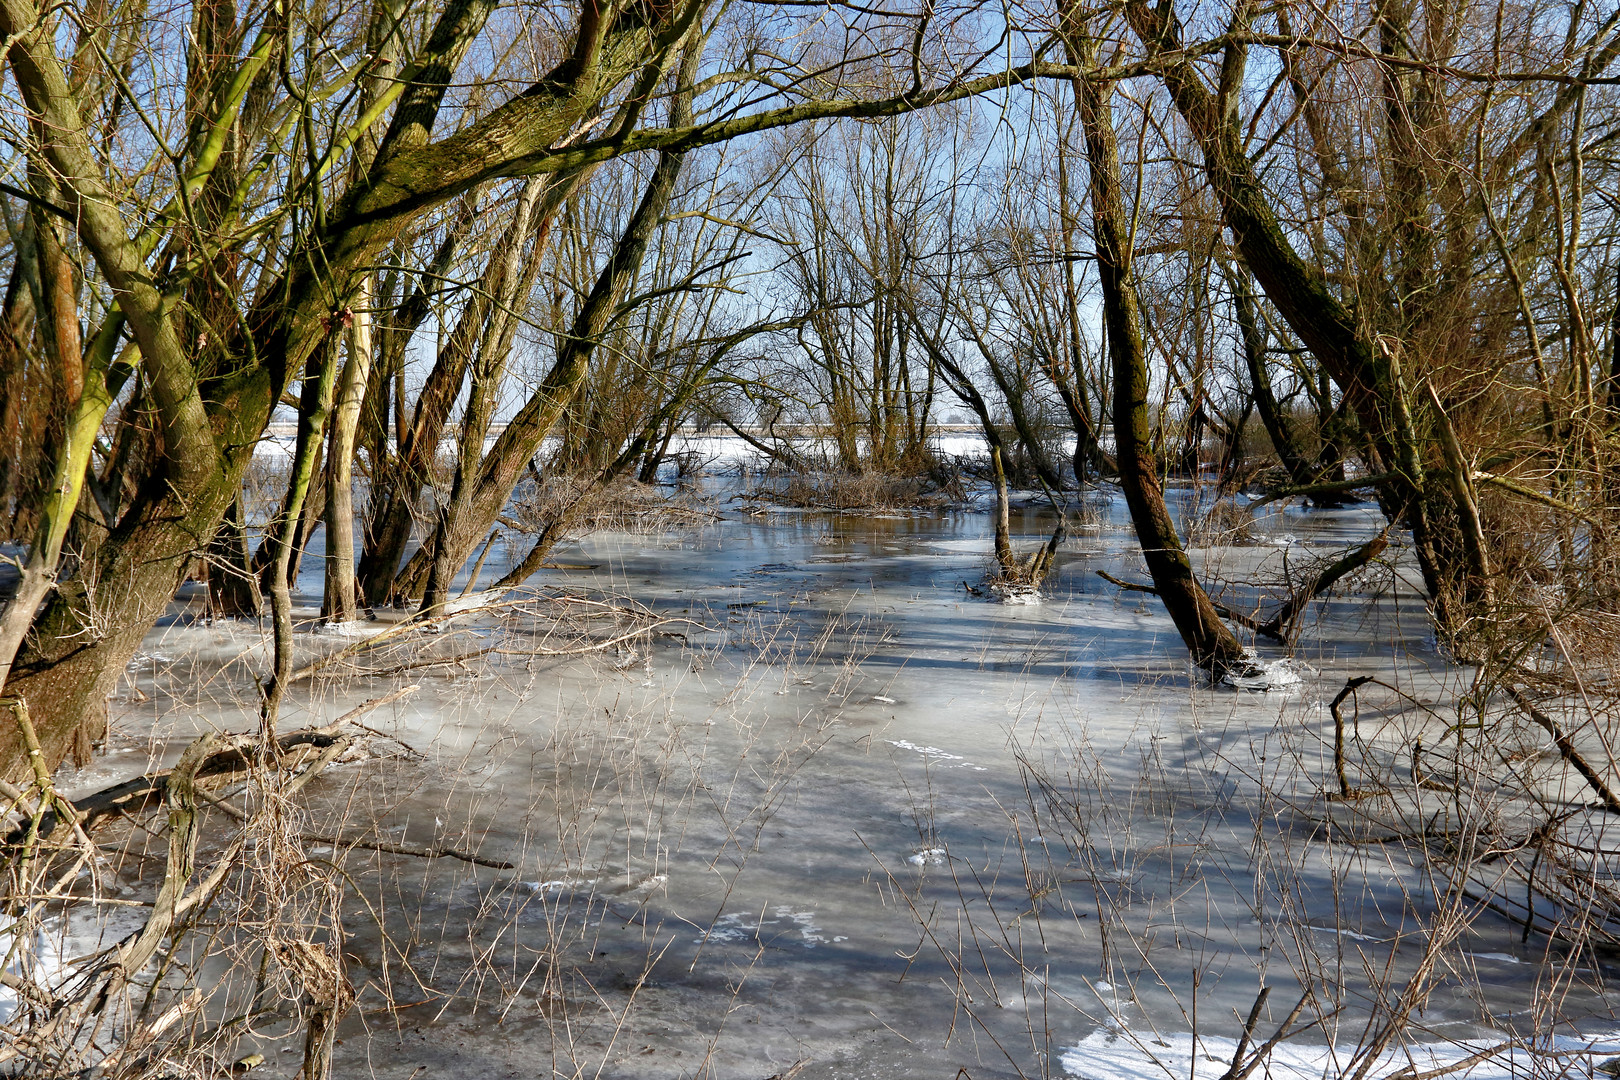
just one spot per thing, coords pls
(718, 831)
(1277, 674)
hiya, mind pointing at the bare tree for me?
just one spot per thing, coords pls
(1209, 640)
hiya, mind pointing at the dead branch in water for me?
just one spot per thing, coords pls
(1281, 626)
(390, 847)
(1350, 687)
(1566, 748)
(137, 793)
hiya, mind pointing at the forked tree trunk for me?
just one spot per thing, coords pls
(504, 465)
(397, 494)
(396, 477)
(1253, 340)
(516, 280)
(1211, 641)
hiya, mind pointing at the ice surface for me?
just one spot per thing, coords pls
(731, 839)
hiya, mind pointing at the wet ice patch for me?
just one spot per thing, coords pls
(1110, 1053)
(554, 887)
(45, 969)
(49, 953)
(934, 753)
(353, 628)
(929, 856)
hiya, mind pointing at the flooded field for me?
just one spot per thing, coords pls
(820, 811)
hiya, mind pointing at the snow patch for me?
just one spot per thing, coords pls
(741, 926)
(1016, 594)
(474, 601)
(934, 753)
(353, 628)
(556, 886)
(1111, 1053)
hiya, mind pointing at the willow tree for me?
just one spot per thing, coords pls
(1409, 184)
(1209, 640)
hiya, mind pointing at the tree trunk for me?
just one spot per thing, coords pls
(1209, 640)
(1076, 396)
(1005, 561)
(94, 622)
(284, 536)
(1253, 340)
(504, 465)
(16, 334)
(233, 587)
(341, 604)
